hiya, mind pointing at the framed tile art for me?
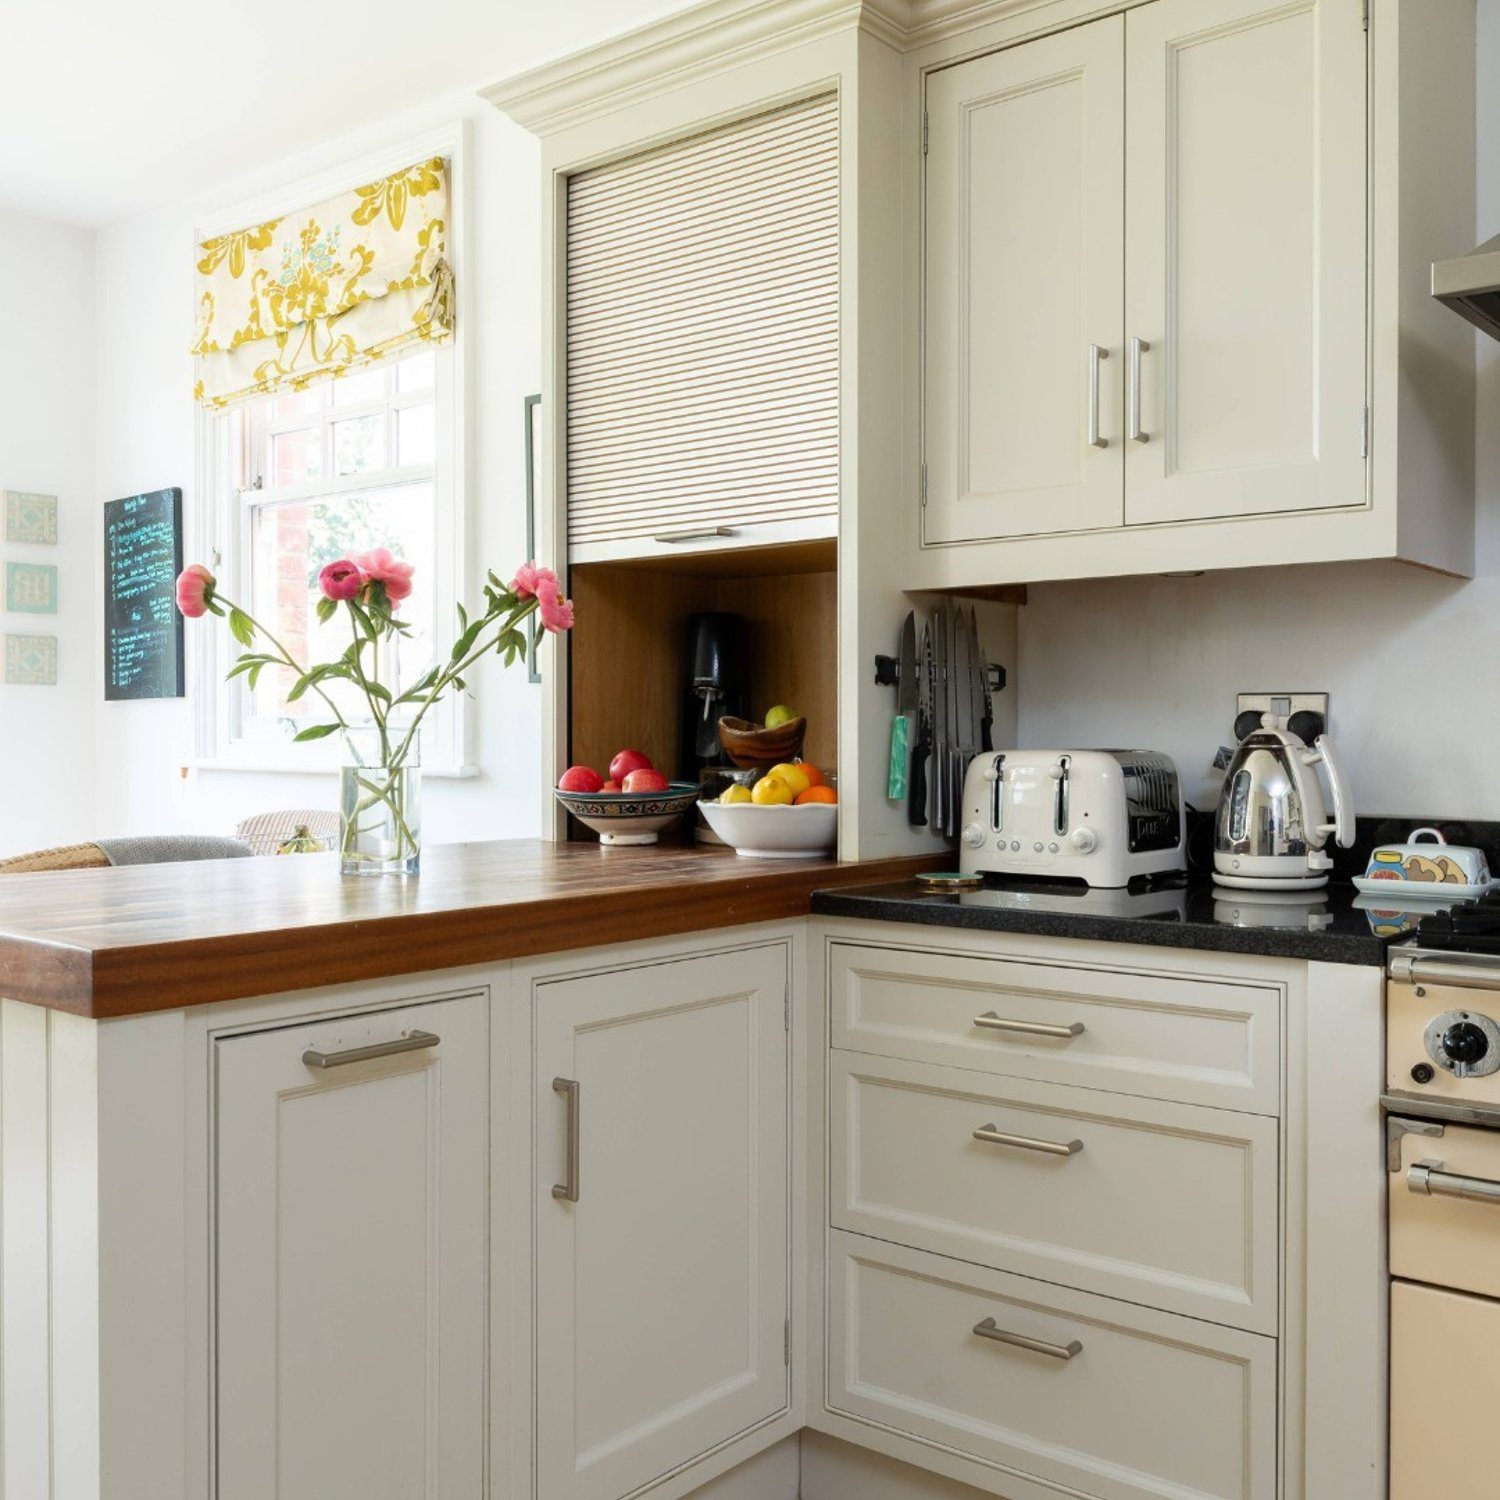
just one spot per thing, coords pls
(31, 660)
(31, 588)
(30, 518)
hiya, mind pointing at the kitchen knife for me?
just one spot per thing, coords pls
(906, 705)
(979, 673)
(916, 805)
(966, 726)
(941, 732)
(950, 772)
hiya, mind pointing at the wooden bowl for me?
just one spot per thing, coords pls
(753, 746)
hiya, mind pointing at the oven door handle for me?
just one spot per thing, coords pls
(1430, 1179)
(1461, 974)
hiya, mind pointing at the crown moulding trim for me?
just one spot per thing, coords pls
(705, 39)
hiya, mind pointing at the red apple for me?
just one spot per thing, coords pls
(644, 779)
(580, 779)
(610, 786)
(627, 761)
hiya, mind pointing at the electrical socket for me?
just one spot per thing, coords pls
(1284, 705)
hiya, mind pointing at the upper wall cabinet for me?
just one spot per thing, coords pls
(1160, 328)
(702, 339)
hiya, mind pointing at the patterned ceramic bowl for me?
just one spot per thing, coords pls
(629, 817)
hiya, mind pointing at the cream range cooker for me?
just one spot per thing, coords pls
(1442, 1105)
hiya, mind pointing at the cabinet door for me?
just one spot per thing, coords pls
(662, 1285)
(350, 1258)
(1245, 258)
(1024, 275)
(1445, 1370)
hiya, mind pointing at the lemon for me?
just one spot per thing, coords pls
(781, 714)
(794, 776)
(732, 795)
(772, 791)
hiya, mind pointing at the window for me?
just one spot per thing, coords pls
(314, 475)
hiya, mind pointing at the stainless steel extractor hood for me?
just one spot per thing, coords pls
(1470, 285)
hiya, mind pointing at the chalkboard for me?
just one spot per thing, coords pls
(142, 628)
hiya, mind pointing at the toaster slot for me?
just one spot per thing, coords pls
(1060, 796)
(996, 778)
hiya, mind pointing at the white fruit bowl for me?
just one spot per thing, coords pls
(775, 832)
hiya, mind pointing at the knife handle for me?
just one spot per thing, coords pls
(895, 781)
(987, 732)
(916, 805)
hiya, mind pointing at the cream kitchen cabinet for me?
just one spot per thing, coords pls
(1159, 281)
(349, 1250)
(662, 1201)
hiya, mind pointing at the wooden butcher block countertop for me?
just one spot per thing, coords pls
(120, 942)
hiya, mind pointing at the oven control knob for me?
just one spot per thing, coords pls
(1465, 1043)
(1084, 840)
(1422, 1073)
(973, 835)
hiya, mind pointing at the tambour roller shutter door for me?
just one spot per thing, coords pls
(703, 331)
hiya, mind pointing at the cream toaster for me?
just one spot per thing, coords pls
(1105, 817)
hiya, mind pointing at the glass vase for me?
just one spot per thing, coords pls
(380, 802)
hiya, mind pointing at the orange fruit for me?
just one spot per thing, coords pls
(817, 794)
(809, 770)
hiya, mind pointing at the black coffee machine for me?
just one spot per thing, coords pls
(716, 687)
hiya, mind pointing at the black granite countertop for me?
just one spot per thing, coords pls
(1333, 925)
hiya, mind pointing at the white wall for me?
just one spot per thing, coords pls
(145, 440)
(46, 430)
(1412, 660)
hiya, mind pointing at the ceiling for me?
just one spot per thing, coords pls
(108, 109)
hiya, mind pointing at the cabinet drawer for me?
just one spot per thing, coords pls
(1148, 1406)
(1170, 1205)
(1436, 1236)
(1195, 1040)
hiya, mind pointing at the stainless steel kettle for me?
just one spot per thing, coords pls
(1270, 829)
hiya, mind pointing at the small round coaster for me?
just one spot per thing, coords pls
(948, 881)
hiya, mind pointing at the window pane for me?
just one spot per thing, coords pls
(414, 435)
(290, 543)
(367, 385)
(416, 372)
(297, 456)
(299, 403)
(358, 444)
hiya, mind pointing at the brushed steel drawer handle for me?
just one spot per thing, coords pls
(696, 534)
(568, 1191)
(1030, 1028)
(413, 1041)
(1429, 1178)
(988, 1330)
(994, 1137)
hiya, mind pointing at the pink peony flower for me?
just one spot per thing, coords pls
(379, 566)
(195, 589)
(556, 612)
(530, 579)
(340, 580)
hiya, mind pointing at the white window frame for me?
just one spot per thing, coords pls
(217, 521)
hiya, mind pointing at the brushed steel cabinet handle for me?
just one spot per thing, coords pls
(993, 1137)
(694, 534)
(987, 1329)
(567, 1191)
(1097, 356)
(1138, 434)
(413, 1041)
(1030, 1028)
(1429, 1178)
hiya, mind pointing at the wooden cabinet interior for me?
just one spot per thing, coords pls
(628, 653)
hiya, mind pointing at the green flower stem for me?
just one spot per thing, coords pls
(286, 656)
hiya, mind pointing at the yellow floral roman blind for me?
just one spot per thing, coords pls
(311, 295)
